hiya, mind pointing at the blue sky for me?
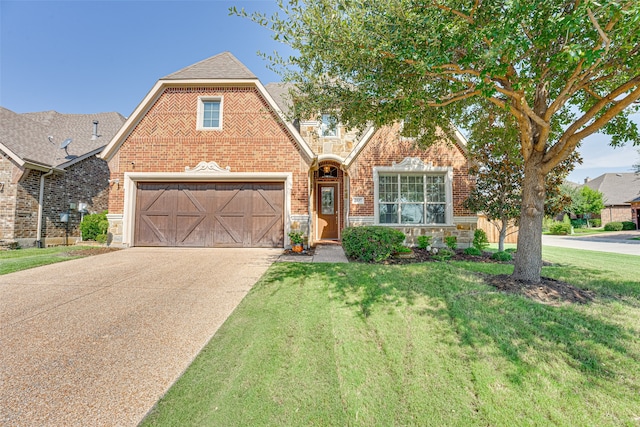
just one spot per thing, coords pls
(88, 56)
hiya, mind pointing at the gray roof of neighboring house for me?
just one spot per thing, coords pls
(221, 66)
(617, 188)
(27, 135)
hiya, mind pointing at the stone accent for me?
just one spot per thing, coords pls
(340, 146)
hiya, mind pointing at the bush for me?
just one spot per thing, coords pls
(473, 251)
(628, 225)
(451, 242)
(424, 241)
(502, 256)
(480, 240)
(511, 250)
(613, 226)
(94, 225)
(596, 222)
(443, 254)
(560, 228)
(371, 243)
(579, 223)
(566, 219)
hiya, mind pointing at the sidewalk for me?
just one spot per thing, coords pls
(323, 253)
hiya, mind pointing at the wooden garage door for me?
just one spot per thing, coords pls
(209, 214)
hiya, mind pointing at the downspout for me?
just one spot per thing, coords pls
(40, 208)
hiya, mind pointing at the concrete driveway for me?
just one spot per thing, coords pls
(97, 341)
(620, 242)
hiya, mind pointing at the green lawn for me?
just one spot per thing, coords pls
(21, 259)
(421, 344)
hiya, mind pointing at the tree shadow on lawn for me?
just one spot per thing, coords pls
(481, 315)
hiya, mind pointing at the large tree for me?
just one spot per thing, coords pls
(562, 69)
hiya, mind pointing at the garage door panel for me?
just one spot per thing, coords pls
(210, 214)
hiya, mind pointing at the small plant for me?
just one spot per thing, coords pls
(502, 256)
(560, 228)
(596, 222)
(511, 250)
(480, 240)
(473, 251)
(371, 243)
(613, 226)
(94, 225)
(424, 241)
(443, 254)
(566, 219)
(451, 242)
(628, 225)
(296, 237)
(401, 249)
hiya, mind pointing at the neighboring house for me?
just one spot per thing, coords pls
(48, 170)
(635, 211)
(617, 189)
(208, 159)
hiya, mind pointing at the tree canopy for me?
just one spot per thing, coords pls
(561, 69)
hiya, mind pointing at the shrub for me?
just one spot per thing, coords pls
(502, 256)
(566, 219)
(473, 251)
(424, 241)
(596, 222)
(480, 240)
(94, 225)
(560, 228)
(371, 243)
(628, 225)
(511, 250)
(443, 254)
(579, 223)
(401, 249)
(451, 242)
(613, 226)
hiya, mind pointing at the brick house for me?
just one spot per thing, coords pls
(635, 211)
(48, 167)
(209, 158)
(617, 189)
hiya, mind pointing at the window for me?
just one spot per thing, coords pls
(412, 199)
(328, 126)
(209, 113)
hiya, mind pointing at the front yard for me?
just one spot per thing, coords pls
(420, 344)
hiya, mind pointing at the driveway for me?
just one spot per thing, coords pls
(97, 341)
(620, 242)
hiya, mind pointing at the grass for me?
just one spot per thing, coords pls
(22, 259)
(419, 344)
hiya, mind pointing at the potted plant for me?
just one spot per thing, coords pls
(296, 241)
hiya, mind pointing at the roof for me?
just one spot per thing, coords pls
(280, 92)
(221, 66)
(37, 137)
(616, 188)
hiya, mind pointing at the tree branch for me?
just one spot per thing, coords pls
(467, 18)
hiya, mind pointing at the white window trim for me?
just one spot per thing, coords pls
(321, 132)
(414, 166)
(200, 112)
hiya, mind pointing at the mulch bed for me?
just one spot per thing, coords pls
(99, 250)
(305, 253)
(548, 291)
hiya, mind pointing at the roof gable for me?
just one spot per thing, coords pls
(36, 137)
(616, 188)
(221, 66)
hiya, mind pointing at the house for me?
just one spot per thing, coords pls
(635, 211)
(617, 189)
(209, 159)
(48, 170)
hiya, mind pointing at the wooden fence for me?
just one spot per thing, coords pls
(492, 231)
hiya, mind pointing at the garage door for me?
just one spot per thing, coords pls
(209, 214)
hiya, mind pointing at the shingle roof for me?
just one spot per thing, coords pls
(27, 135)
(221, 66)
(280, 94)
(617, 188)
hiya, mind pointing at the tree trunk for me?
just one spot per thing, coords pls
(503, 234)
(528, 261)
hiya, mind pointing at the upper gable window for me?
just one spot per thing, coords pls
(328, 126)
(209, 113)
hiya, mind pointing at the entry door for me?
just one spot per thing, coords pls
(328, 211)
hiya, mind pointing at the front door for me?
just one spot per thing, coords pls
(327, 226)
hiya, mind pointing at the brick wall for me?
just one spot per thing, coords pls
(85, 181)
(616, 214)
(386, 147)
(8, 191)
(252, 140)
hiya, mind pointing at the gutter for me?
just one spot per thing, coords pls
(41, 208)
